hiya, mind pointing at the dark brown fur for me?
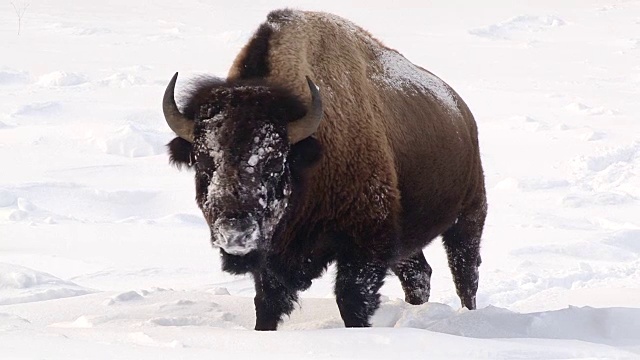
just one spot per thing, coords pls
(396, 167)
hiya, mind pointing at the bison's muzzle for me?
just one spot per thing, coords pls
(236, 236)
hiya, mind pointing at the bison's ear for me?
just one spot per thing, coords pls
(181, 153)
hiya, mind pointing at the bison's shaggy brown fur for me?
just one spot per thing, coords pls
(394, 163)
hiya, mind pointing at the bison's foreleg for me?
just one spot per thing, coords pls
(462, 243)
(415, 276)
(272, 301)
(357, 285)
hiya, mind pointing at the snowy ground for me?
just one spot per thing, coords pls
(104, 255)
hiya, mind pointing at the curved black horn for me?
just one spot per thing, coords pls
(304, 127)
(181, 125)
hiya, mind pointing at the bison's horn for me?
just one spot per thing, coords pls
(304, 127)
(181, 125)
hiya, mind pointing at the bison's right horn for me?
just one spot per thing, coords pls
(303, 128)
(181, 125)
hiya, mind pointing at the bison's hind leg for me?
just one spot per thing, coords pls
(462, 243)
(415, 276)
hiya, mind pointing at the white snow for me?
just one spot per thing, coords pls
(253, 160)
(22, 285)
(131, 140)
(10, 76)
(517, 26)
(61, 78)
(104, 253)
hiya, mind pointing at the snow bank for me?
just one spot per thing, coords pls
(614, 326)
(21, 285)
(170, 319)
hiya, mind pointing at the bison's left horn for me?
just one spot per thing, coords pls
(304, 127)
(180, 124)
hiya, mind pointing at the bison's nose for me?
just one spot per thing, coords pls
(236, 235)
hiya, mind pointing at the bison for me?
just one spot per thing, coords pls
(363, 169)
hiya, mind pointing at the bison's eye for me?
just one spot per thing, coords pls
(205, 163)
(202, 183)
(205, 167)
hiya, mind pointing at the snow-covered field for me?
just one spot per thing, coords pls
(104, 254)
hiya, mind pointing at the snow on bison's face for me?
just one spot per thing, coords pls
(241, 139)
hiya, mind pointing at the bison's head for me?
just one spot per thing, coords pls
(249, 144)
